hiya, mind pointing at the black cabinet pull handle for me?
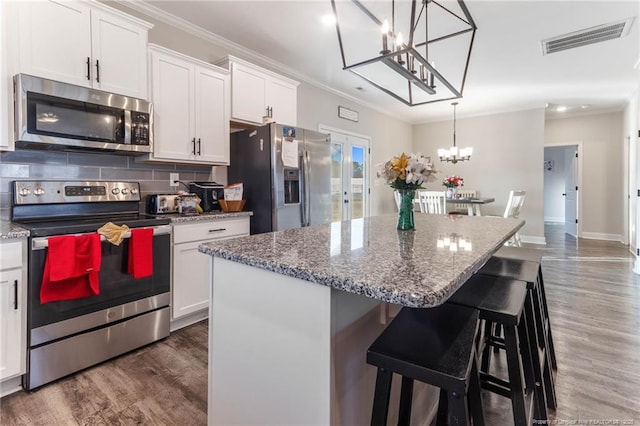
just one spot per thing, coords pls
(98, 70)
(15, 295)
(199, 146)
(193, 141)
(217, 230)
(88, 68)
(271, 112)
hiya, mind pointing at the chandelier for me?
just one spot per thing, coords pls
(417, 51)
(455, 154)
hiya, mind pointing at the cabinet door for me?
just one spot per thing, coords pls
(212, 117)
(190, 279)
(6, 83)
(282, 97)
(11, 332)
(173, 137)
(248, 90)
(55, 40)
(120, 49)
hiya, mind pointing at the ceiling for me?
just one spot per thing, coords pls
(507, 70)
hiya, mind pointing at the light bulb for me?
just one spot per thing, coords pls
(385, 27)
(399, 40)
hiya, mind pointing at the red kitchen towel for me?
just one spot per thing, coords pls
(71, 269)
(141, 253)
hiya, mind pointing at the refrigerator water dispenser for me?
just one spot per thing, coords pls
(291, 186)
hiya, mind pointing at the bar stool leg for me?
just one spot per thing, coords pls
(485, 363)
(547, 374)
(458, 409)
(514, 367)
(406, 396)
(381, 398)
(530, 351)
(475, 396)
(547, 324)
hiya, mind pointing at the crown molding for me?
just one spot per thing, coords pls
(197, 31)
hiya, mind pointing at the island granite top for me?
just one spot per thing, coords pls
(420, 268)
(203, 217)
(9, 230)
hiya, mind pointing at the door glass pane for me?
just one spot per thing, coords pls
(357, 181)
(336, 182)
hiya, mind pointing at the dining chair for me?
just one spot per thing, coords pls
(514, 204)
(464, 193)
(432, 202)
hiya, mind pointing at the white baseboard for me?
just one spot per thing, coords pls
(530, 239)
(554, 219)
(179, 323)
(10, 386)
(602, 236)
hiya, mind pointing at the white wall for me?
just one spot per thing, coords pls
(603, 195)
(630, 129)
(507, 155)
(554, 184)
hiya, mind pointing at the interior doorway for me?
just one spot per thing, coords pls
(562, 183)
(350, 174)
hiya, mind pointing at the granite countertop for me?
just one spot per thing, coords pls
(371, 257)
(209, 216)
(9, 230)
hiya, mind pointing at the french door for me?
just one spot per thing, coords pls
(350, 174)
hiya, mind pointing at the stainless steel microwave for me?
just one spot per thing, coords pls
(54, 115)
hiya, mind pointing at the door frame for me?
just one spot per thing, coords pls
(324, 128)
(579, 204)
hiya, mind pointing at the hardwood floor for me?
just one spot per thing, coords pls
(594, 304)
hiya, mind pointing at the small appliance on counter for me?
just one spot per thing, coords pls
(162, 203)
(209, 193)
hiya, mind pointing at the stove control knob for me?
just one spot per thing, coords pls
(125, 191)
(134, 190)
(115, 191)
(24, 191)
(38, 191)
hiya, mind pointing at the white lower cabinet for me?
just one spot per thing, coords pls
(12, 309)
(191, 279)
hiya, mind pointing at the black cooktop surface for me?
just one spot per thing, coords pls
(80, 225)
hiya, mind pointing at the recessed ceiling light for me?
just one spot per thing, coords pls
(585, 106)
(561, 108)
(328, 19)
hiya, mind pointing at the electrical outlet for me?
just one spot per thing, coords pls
(173, 179)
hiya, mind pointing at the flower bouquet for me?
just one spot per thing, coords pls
(406, 173)
(452, 183)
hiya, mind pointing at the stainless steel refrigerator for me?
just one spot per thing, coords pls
(286, 173)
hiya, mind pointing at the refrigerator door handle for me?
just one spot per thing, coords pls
(307, 187)
(303, 191)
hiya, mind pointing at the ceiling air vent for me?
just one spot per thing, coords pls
(587, 36)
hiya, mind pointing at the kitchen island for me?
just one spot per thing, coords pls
(294, 311)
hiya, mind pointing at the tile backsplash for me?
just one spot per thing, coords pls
(153, 177)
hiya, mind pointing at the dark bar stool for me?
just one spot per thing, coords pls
(434, 346)
(533, 255)
(528, 272)
(508, 303)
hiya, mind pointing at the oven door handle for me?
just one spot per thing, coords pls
(43, 242)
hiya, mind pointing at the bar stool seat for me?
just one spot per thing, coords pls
(507, 302)
(530, 272)
(434, 346)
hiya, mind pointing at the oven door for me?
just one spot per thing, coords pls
(121, 295)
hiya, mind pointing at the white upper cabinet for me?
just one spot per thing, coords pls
(191, 109)
(259, 95)
(83, 43)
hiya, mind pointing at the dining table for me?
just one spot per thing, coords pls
(473, 204)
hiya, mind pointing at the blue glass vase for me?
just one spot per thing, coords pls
(405, 212)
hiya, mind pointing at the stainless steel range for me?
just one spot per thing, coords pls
(65, 336)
